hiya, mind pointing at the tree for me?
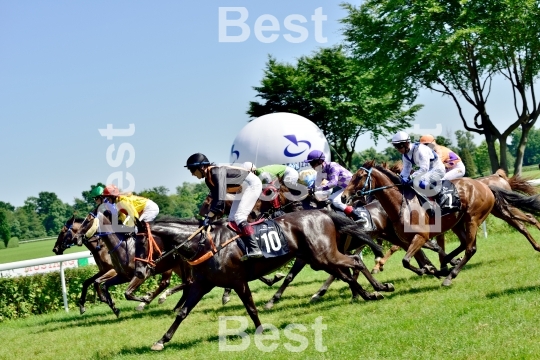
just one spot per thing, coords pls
(470, 166)
(5, 233)
(465, 141)
(339, 97)
(160, 196)
(532, 151)
(52, 211)
(361, 157)
(454, 48)
(188, 199)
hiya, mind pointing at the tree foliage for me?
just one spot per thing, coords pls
(330, 89)
(454, 48)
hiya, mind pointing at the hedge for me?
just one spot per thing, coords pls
(42, 293)
(13, 242)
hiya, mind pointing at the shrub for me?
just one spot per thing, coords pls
(2, 245)
(13, 242)
(42, 293)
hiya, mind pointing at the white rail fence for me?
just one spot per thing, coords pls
(60, 262)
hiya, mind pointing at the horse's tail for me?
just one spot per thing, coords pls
(529, 204)
(346, 226)
(522, 185)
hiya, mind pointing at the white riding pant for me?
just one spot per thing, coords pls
(290, 176)
(336, 200)
(150, 211)
(433, 176)
(458, 171)
(244, 202)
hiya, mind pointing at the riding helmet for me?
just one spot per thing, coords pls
(197, 160)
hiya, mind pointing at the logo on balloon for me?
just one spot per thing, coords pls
(235, 152)
(292, 138)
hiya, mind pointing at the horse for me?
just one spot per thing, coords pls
(310, 235)
(477, 202)
(269, 209)
(99, 252)
(121, 248)
(510, 214)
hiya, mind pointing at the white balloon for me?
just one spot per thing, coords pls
(278, 138)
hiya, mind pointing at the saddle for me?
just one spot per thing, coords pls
(447, 199)
(269, 237)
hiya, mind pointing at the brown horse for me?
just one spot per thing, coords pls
(510, 214)
(99, 252)
(310, 235)
(121, 249)
(477, 201)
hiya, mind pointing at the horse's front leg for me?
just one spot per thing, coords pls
(360, 266)
(379, 265)
(226, 296)
(416, 244)
(117, 280)
(86, 284)
(163, 284)
(244, 293)
(296, 268)
(195, 293)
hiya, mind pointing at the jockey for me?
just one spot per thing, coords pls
(338, 178)
(431, 169)
(130, 206)
(269, 173)
(455, 168)
(228, 179)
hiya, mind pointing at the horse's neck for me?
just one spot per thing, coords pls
(390, 199)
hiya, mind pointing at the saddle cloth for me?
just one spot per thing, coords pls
(447, 199)
(269, 237)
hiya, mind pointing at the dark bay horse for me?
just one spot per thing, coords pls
(477, 201)
(310, 235)
(99, 252)
(121, 249)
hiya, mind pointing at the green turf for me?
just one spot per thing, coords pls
(32, 250)
(490, 312)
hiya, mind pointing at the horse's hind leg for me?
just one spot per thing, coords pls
(226, 297)
(194, 294)
(513, 217)
(271, 281)
(467, 235)
(320, 293)
(379, 266)
(360, 266)
(244, 293)
(170, 292)
(296, 268)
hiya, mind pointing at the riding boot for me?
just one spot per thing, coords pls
(355, 214)
(249, 239)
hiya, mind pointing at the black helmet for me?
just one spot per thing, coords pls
(197, 160)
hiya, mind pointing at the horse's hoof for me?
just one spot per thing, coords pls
(315, 298)
(157, 346)
(447, 282)
(82, 309)
(455, 262)
(140, 307)
(279, 276)
(389, 287)
(225, 300)
(269, 305)
(375, 271)
(116, 312)
(377, 260)
(378, 296)
(162, 299)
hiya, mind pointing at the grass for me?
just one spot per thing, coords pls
(32, 250)
(490, 312)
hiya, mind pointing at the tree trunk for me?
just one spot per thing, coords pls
(502, 153)
(493, 158)
(520, 152)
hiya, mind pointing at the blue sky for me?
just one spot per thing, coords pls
(69, 68)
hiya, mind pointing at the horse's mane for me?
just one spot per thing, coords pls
(384, 169)
(176, 220)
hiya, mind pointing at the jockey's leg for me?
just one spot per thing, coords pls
(458, 171)
(240, 210)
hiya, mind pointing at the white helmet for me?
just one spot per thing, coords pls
(249, 166)
(400, 137)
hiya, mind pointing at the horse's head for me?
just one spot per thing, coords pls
(88, 227)
(65, 238)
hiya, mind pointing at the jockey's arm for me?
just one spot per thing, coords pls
(422, 157)
(407, 166)
(266, 178)
(219, 191)
(332, 178)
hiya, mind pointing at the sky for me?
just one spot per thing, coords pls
(68, 69)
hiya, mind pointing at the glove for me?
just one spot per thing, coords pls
(406, 181)
(206, 221)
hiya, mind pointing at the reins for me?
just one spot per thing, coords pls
(152, 246)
